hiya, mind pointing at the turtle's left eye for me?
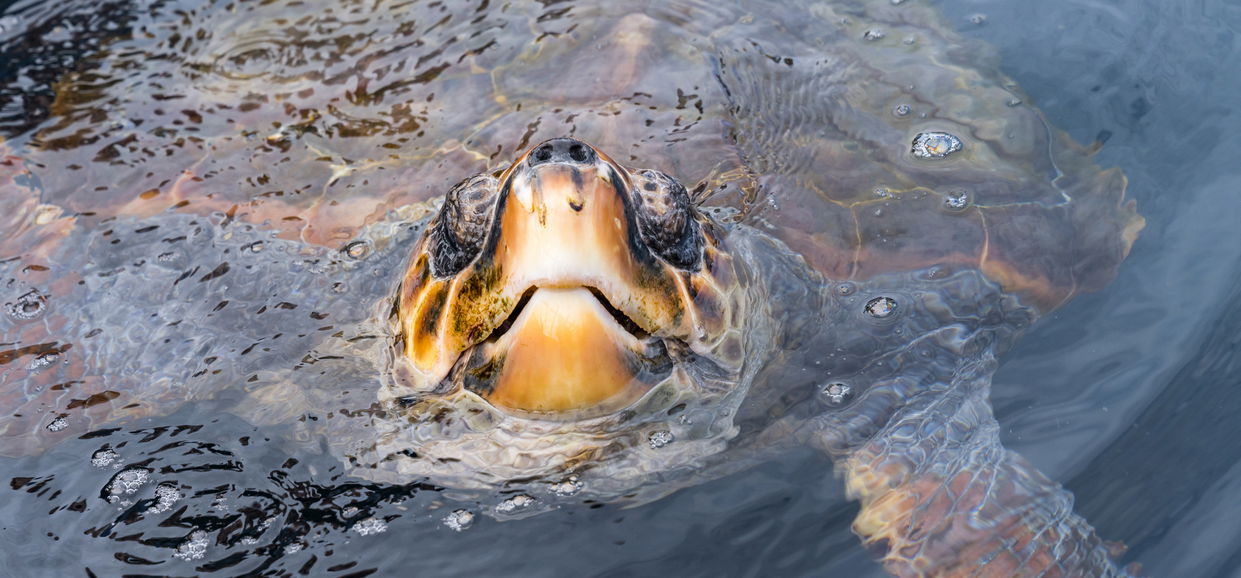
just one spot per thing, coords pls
(459, 230)
(666, 219)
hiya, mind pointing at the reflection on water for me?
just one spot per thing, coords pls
(275, 131)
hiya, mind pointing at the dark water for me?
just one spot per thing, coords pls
(1127, 396)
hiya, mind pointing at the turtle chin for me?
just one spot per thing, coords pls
(564, 354)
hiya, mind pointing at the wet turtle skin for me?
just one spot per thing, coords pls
(244, 248)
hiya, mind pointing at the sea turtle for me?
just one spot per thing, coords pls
(692, 235)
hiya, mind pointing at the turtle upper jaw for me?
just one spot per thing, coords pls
(565, 226)
(564, 309)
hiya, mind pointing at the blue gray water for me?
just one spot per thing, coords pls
(1129, 396)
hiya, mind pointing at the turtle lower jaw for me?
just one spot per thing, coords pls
(564, 354)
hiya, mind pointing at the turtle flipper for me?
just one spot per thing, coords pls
(910, 427)
(946, 499)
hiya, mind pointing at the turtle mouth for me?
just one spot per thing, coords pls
(624, 321)
(563, 353)
(556, 288)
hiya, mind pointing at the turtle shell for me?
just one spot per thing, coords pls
(864, 134)
(222, 201)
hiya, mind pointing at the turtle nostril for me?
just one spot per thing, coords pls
(562, 150)
(577, 152)
(543, 153)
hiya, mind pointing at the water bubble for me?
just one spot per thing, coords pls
(909, 40)
(902, 110)
(27, 307)
(956, 200)
(255, 247)
(845, 289)
(357, 250)
(935, 145)
(127, 481)
(881, 192)
(567, 487)
(518, 502)
(103, 458)
(837, 393)
(43, 361)
(370, 526)
(874, 34)
(897, 2)
(978, 19)
(659, 439)
(193, 548)
(166, 494)
(881, 307)
(58, 424)
(291, 548)
(459, 520)
(1014, 101)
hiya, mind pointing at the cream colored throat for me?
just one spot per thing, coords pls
(564, 352)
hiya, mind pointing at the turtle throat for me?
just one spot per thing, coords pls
(564, 353)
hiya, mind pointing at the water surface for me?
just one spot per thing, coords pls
(1126, 395)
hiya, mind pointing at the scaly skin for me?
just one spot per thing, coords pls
(971, 507)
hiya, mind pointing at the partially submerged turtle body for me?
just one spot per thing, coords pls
(815, 226)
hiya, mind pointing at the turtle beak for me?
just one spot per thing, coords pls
(565, 310)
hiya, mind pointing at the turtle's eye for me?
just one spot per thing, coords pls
(666, 219)
(461, 226)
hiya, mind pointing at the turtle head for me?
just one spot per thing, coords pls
(564, 287)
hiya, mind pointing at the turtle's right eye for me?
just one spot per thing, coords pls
(666, 219)
(458, 232)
